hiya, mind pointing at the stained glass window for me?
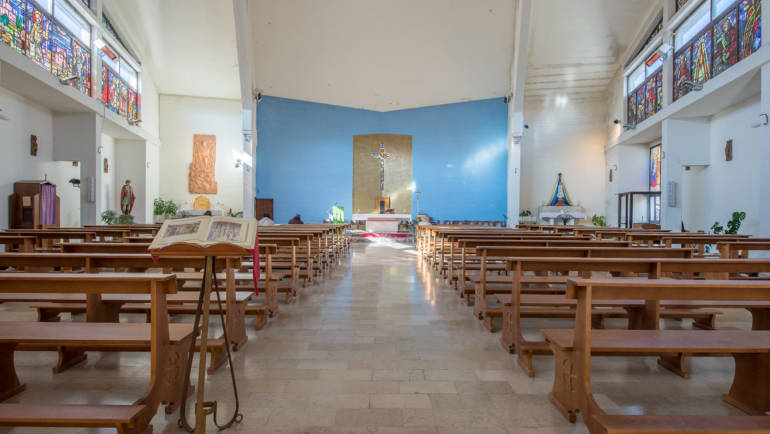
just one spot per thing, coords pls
(61, 52)
(632, 108)
(109, 58)
(651, 96)
(115, 89)
(681, 73)
(719, 6)
(13, 26)
(641, 103)
(105, 91)
(636, 78)
(38, 36)
(680, 4)
(81, 66)
(659, 88)
(655, 168)
(701, 58)
(750, 27)
(653, 64)
(133, 112)
(725, 43)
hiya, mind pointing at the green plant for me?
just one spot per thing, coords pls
(109, 217)
(171, 207)
(230, 213)
(525, 213)
(164, 207)
(158, 206)
(733, 226)
(599, 220)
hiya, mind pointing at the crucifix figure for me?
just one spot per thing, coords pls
(382, 156)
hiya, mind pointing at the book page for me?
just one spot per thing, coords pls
(238, 231)
(190, 230)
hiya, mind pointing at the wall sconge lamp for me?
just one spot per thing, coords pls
(3, 117)
(75, 182)
(625, 126)
(763, 120)
(248, 135)
(99, 149)
(241, 159)
(134, 122)
(689, 85)
(69, 80)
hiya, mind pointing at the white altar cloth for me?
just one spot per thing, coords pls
(198, 212)
(365, 217)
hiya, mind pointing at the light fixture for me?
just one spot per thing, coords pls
(134, 122)
(75, 182)
(99, 43)
(691, 85)
(69, 80)
(763, 120)
(3, 117)
(241, 158)
(99, 149)
(625, 126)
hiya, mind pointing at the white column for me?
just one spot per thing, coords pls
(516, 128)
(685, 143)
(77, 137)
(244, 45)
(764, 150)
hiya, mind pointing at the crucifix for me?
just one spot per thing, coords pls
(382, 156)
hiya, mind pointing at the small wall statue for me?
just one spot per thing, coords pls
(127, 198)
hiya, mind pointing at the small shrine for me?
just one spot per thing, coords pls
(560, 209)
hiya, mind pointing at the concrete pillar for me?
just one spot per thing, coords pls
(77, 137)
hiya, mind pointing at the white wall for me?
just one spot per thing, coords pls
(182, 117)
(150, 105)
(566, 136)
(734, 185)
(16, 164)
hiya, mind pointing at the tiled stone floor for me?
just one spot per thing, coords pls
(383, 346)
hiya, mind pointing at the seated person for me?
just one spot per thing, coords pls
(296, 220)
(265, 220)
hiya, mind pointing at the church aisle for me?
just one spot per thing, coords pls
(380, 345)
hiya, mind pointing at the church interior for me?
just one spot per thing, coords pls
(390, 217)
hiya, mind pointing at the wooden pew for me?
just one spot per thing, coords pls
(741, 249)
(236, 306)
(167, 343)
(488, 252)
(105, 247)
(45, 236)
(18, 243)
(572, 392)
(643, 316)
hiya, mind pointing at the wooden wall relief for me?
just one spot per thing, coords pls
(203, 167)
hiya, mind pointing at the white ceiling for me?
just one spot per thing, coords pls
(188, 46)
(383, 54)
(380, 55)
(575, 45)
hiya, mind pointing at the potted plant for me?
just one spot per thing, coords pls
(526, 217)
(163, 209)
(599, 220)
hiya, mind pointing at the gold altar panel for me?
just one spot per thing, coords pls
(202, 170)
(366, 172)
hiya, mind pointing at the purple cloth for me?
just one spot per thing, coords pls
(48, 204)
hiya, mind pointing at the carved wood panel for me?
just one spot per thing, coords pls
(203, 167)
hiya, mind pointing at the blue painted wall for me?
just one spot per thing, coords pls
(459, 157)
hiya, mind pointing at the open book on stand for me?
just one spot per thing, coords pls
(206, 231)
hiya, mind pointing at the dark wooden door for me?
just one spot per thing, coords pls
(262, 207)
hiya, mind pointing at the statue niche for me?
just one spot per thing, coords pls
(203, 167)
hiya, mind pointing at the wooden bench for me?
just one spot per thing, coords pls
(572, 391)
(487, 253)
(641, 316)
(167, 343)
(235, 311)
(741, 249)
(18, 243)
